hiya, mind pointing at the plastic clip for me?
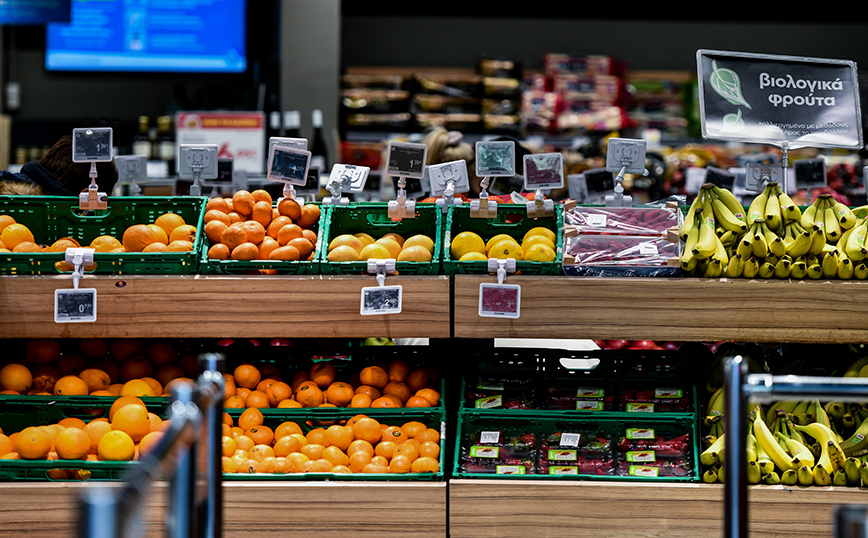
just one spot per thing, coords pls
(483, 208)
(78, 258)
(381, 268)
(540, 206)
(501, 267)
(401, 208)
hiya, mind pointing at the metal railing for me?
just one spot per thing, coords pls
(189, 454)
(739, 387)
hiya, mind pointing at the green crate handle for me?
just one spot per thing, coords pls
(103, 214)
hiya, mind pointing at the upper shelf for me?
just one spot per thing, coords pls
(684, 309)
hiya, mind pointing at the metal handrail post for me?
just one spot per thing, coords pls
(735, 428)
(99, 516)
(210, 514)
(180, 521)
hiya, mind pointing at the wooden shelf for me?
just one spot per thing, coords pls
(548, 509)
(680, 309)
(201, 306)
(252, 509)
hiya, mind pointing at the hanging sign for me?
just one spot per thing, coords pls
(777, 100)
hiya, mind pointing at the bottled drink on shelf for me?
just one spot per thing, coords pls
(166, 143)
(291, 124)
(274, 124)
(318, 151)
(142, 139)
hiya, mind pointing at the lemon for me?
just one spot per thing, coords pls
(414, 253)
(421, 240)
(506, 248)
(466, 242)
(497, 239)
(366, 239)
(375, 251)
(473, 257)
(540, 230)
(536, 239)
(540, 252)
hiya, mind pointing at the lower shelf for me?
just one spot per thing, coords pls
(545, 509)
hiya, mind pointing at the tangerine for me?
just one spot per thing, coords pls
(360, 400)
(250, 418)
(214, 215)
(219, 204)
(400, 464)
(286, 445)
(261, 213)
(169, 221)
(322, 373)
(70, 385)
(309, 394)
(285, 253)
(234, 235)
(425, 464)
(139, 387)
(219, 251)
(132, 419)
(339, 436)
(367, 429)
(374, 376)
(261, 435)
(303, 245)
(32, 443)
(309, 217)
(278, 222)
(255, 231)
(245, 252)
(16, 377)
(242, 202)
(96, 379)
(278, 392)
(116, 445)
(289, 208)
(247, 376)
(339, 393)
(286, 428)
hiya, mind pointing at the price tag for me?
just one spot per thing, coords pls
(648, 249)
(570, 439)
(810, 173)
(406, 159)
(721, 178)
(544, 171)
(75, 305)
(489, 438)
(596, 220)
(378, 300)
(499, 300)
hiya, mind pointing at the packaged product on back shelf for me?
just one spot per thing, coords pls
(505, 451)
(634, 221)
(576, 450)
(573, 396)
(655, 450)
(649, 399)
(609, 255)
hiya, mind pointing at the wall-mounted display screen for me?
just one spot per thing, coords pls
(193, 36)
(30, 12)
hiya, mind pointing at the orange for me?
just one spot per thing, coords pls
(391, 245)
(44, 377)
(398, 389)
(367, 429)
(316, 436)
(214, 229)
(95, 429)
(278, 392)
(395, 237)
(339, 436)
(214, 215)
(228, 444)
(247, 376)
(430, 434)
(218, 204)
(27, 246)
(255, 231)
(219, 251)
(360, 400)
(395, 433)
(262, 195)
(139, 387)
(245, 251)
(400, 464)
(322, 373)
(339, 393)
(105, 243)
(72, 444)
(234, 235)
(288, 403)
(135, 367)
(169, 221)
(309, 394)
(310, 235)
(184, 232)
(234, 402)
(335, 456)
(298, 460)
(288, 232)
(286, 445)
(314, 451)
(72, 422)
(279, 465)
(343, 253)
(139, 236)
(289, 208)
(398, 371)
(6, 220)
(374, 376)
(304, 247)
(257, 399)
(372, 392)
(429, 449)
(417, 401)
(7, 446)
(267, 246)
(431, 395)
(16, 233)
(159, 234)
(16, 377)
(407, 449)
(309, 216)
(375, 468)
(360, 445)
(358, 461)
(70, 385)
(243, 442)
(116, 445)
(285, 253)
(229, 466)
(123, 401)
(386, 402)
(425, 464)
(250, 418)
(261, 435)
(286, 428)
(32, 443)
(155, 385)
(236, 217)
(261, 213)
(132, 419)
(68, 242)
(242, 202)
(385, 449)
(346, 239)
(180, 245)
(276, 224)
(96, 379)
(418, 379)
(261, 451)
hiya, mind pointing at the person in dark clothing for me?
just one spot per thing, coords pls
(56, 175)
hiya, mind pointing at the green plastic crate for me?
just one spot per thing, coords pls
(542, 424)
(373, 218)
(396, 417)
(53, 217)
(511, 219)
(283, 267)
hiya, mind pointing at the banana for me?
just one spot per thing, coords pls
(744, 247)
(772, 478)
(818, 242)
(754, 476)
(715, 403)
(809, 215)
(773, 240)
(798, 270)
(706, 243)
(690, 219)
(772, 214)
(756, 209)
(815, 272)
(790, 477)
(863, 474)
(729, 200)
(805, 476)
(801, 454)
(839, 478)
(822, 476)
(860, 271)
(832, 226)
(770, 446)
(751, 267)
(751, 452)
(845, 268)
(846, 217)
(800, 245)
(857, 441)
(725, 217)
(855, 244)
(711, 455)
(766, 270)
(830, 265)
(783, 267)
(851, 469)
(735, 267)
(836, 454)
(789, 210)
(823, 435)
(714, 269)
(759, 243)
(709, 476)
(834, 410)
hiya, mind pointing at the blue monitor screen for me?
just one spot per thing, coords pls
(189, 36)
(33, 12)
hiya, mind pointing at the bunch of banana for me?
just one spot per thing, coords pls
(711, 227)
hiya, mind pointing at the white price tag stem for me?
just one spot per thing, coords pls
(483, 208)
(401, 208)
(540, 206)
(76, 305)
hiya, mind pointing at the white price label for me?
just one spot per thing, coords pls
(75, 305)
(379, 300)
(499, 300)
(489, 438)
(596, 220)
(570, 439)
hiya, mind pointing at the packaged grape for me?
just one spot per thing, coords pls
(498, 452)
(578, 395)
(634, 221)
(657, 399)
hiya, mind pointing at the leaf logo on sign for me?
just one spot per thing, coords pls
(727, 84)
(732, 122)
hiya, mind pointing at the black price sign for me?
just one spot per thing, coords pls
(75, 305)
(810, 173)
(600, 180)
(406, 159)
(721, 178)
(769, 99)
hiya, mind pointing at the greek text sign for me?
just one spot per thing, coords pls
(760, 98)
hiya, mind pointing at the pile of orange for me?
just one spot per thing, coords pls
(250, 226)
(360, 445)
(97, 367)
(390, 385)
(128, 431)
(360, 246)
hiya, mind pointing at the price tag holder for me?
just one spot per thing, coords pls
(757, 175)
(405, 160)
(446, 180)
(92, 145)
(721, 178)
(76, 305)
(810, 174)
(345, 177)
